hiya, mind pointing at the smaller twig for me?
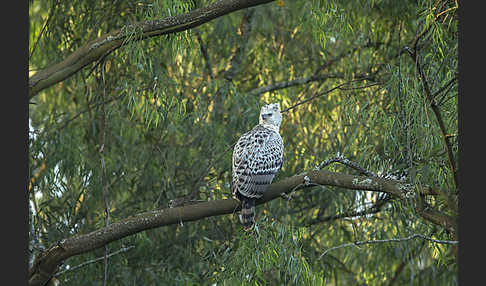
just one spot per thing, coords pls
(123, 249)
(204, 53)
(435, 108)
(100, 61)
(285, 84)
(446, 86)
(190, 198)
(360, 87)
(341, 159)
(326, 92)
(357, 243)
(427, 29)
(244, 29)
(291, 193)
(315, 77)
(443, 99)
(375, 208)
(417, 39)
(43, 29)
(445, 11)
(212, 162)
(397, 273)
(67, 121)
(307, 183)
(103, 166)
(313, 97)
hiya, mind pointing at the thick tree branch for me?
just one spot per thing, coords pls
(96, 49)
(46, 264)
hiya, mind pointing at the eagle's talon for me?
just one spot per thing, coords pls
(307, 181)
(285, 196)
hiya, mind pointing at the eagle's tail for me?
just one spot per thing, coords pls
(247, 216)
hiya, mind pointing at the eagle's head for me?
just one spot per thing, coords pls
(270, 115)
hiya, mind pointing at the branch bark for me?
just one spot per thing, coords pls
(443, 220)
(46, 264)
(96, 49)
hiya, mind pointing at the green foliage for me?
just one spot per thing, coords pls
(271, 254)
(171, 118)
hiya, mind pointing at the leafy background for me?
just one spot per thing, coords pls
(170, 108)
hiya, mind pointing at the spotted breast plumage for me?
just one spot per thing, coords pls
(257, 157)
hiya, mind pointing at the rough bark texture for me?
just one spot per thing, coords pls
(98, 48)
(45, 265)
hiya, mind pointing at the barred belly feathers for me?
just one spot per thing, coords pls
(257, 157)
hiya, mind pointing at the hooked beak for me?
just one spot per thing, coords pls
(265, 116)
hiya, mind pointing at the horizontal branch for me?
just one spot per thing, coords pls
(98, 48)
(46, 264)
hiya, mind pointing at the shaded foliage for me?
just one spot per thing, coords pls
(172, 115)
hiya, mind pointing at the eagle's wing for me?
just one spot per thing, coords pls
(257, 157)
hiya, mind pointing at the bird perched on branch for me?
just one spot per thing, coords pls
(257, 157)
